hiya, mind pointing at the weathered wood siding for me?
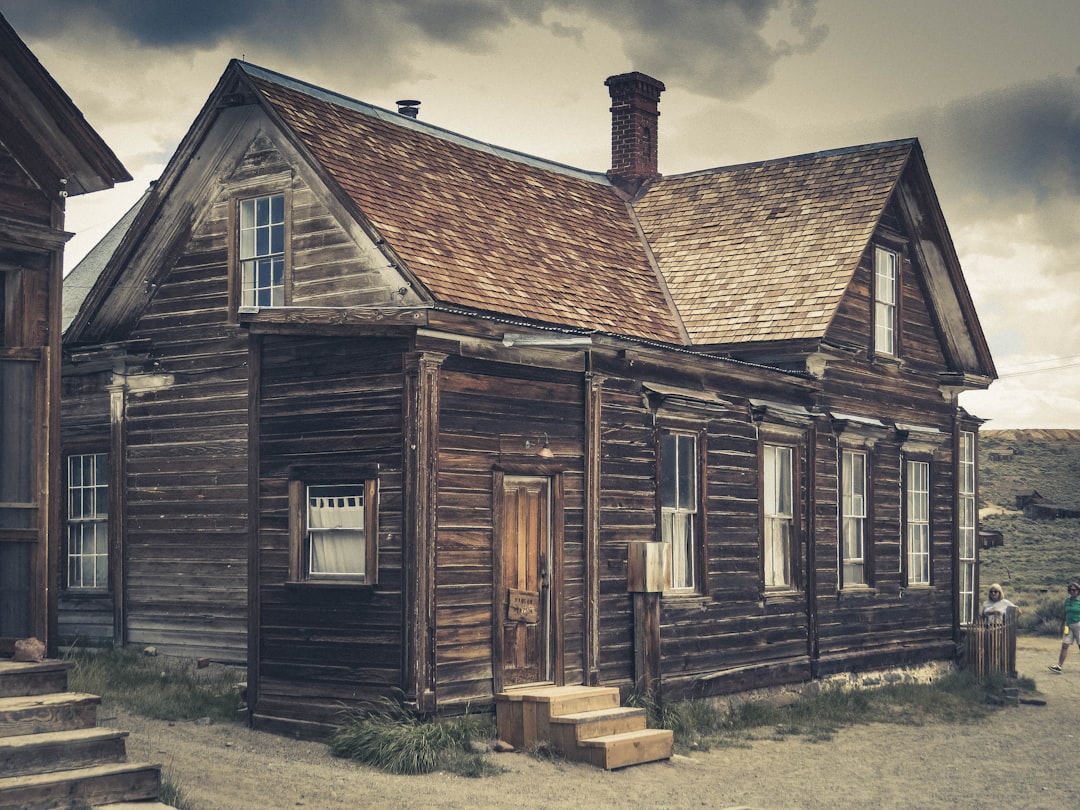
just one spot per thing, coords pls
(729, 637)
(889, 623)
(328, 400)
(185, 540)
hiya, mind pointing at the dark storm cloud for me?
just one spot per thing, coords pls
(1010, 154)
(718, 48)
(155, 23)
(1020, 140)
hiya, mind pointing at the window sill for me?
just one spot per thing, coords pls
(686, 598)
(782, 593)
(916, 589)
(329, 584)
(855, 592)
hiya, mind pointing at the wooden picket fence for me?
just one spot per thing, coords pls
(991, 647)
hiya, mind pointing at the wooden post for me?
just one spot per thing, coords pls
(648, 574)
(421, 431)
(593, 422)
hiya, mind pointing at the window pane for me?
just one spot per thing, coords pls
(262, 211)
(338, 553)
(687, 473)
(247, 214)
(668, 467)
(777, 553)
(337, 543)
(679, 532)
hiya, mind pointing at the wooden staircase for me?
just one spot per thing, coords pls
(52, 755)
(587, 723)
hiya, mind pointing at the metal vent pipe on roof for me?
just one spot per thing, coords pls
(409, 107)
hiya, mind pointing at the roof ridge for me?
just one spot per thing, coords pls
(844, 150)
(392, 117)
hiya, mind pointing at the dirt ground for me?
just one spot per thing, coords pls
(1023, 757)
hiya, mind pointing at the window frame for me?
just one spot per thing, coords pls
(967, 525)
(865, 518)
(880, 304)
(793, 519)
(697, 555)
(277, 187)
(102, 523)
(918, 518)
(253, 233)
(300, 480)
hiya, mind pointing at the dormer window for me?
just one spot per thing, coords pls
(886, 276)
(262, 251)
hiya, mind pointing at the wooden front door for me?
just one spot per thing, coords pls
(524, 577)
(23, 496)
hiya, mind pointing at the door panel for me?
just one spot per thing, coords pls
(524, 609)
(22, 468)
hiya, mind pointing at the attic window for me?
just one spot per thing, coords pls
(886, 276)
(262, 251)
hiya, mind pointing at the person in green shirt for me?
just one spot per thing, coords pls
(1071, 630)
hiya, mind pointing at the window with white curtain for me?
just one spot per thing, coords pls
(679, 506)
(853, 526)
(778, 508)
(337, 541)
(333, 529)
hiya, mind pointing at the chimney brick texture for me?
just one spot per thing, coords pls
(634, 99)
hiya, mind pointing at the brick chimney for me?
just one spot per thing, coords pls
(634, 98)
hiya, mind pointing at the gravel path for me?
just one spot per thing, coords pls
(1022, 757)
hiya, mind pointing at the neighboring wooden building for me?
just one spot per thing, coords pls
(399, 412)
(47, 153)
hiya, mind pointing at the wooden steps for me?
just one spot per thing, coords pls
(586, 723)
(61, 750)
(52, 755)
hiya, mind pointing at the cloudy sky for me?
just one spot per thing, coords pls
(990, 87)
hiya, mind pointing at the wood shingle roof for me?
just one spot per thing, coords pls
(484, 231)
(756, 252)
(765, 251)
(751, 254)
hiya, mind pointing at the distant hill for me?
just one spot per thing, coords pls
(1016, 462)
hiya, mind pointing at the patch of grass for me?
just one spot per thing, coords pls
(953, 698)
(695, 723)
(172, 794)
(158, 687)
(393, 739)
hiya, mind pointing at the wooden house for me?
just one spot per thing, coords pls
(390, 410)
(47, 153)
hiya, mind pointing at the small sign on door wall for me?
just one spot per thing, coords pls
(523, 606)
